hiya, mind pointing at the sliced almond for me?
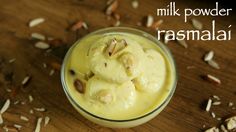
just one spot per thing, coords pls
(36, 21)
(183, 43)
(42, 45)
(209, 56)
(31, 111)
(213, 64)
(213, 115)
(46, 120)
(135, 4)
(52, 71)
(223, 129)
(208, 107)
(231, 123)
(156, 25)
(197, 24)
(105, 96)
(26, 80)
(216, 97)
(38, 125)
(213, 79)
(5, 106)
(30, 98)
(38, 36)
(10, 129)
(112, 7)
(111, 47)
(216, 103)
(150, 21)
(23, 118)
(12, 60)
(230, 104)
(79, 86)
(78, 25)
(40, 109)
(213, 129)
(17, 126)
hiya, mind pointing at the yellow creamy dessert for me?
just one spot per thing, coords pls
(118, 76)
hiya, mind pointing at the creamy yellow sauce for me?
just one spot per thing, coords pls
(129, 84)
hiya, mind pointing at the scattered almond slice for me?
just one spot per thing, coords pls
(213, 79)
(183, 43)
(31, 111)
(149, 20)
(46, 120)
(209, 56)
(38, 125)
(5, 106)
(213, 64)
(52, 71)
(78, 25)
(219, 119)
(36, 21)
(230, 104)
(231, 123)
(26, 80)
(213, 129)
(213, 114)
(197, 24)
(223, 129)
(116, 24)
(38, 36)
(216, 103)
(10, 129)
(23, 118)
(42, 45)
(16, 102)
(31, 98)
(17, 126)
(208, 107)
(112, 7)
(40, 109)
(157, 24)
(135, 4)
(12, 60)
(216, 97)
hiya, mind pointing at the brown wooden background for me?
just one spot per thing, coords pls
(185, 112)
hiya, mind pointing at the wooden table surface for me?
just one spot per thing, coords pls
(184, 113)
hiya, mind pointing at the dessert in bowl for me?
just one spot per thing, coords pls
(119, 77)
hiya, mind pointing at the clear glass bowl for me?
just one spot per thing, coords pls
(129, 122)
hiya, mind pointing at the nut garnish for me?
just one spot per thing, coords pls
(230, 104)
(46, 120)
(213, 64)
(231, 123)
(209, 56)
(79, 86)
(26, 80)
(208, 107)
(17, 126)
(42, 45)
(112, 7)
(213, 79)
(213, 129)
(197, 24)
(149, 21)
(222, 127)
(40, 109)
(78, 25)
(157, 24)
(30, 98)
(216, 103)
(183, 43)
(36, 21)
(105, 96)
(213, 114)
(38, 36)
(38, 125)
(1, 120)
(135, 4)
(129, 62)
(111, 47)
(24, 118)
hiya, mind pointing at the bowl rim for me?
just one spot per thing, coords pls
(124, 30)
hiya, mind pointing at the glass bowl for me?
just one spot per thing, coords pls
(113, 123)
